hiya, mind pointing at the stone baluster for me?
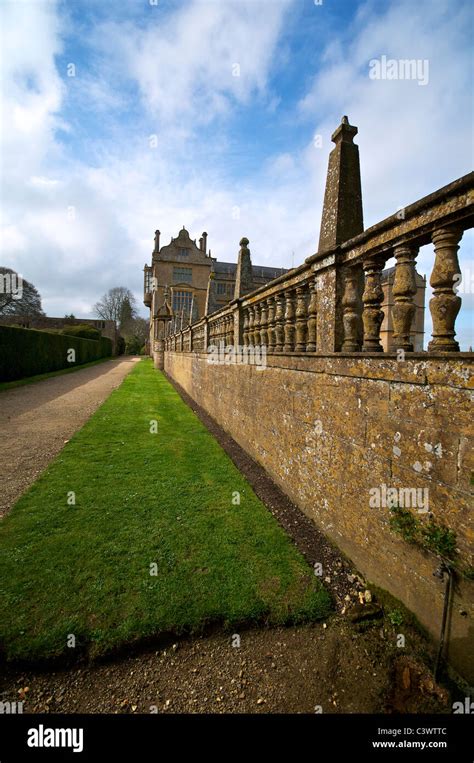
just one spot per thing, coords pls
(263, 324)
(245, 329)
(404, 289)
(445, 303)
(280, 323)
(256, 326)
(289, 322)
(350, 307)
(251, 323)
(230, 329)
(301, 319)
(271, 323)
(372, 298)
(311, 343)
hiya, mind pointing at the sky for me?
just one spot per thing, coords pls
(119, 118)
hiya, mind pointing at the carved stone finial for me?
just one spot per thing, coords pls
(244, 275)
(344, 132)
(342, 210)
(211, 295)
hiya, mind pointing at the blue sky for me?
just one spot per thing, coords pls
(155, 131)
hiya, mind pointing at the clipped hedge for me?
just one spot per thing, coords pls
(82, 330)
(27, 352)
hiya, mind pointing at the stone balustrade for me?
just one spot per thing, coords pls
(332, 303)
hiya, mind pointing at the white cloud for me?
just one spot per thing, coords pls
(31, 87)
(196, 63)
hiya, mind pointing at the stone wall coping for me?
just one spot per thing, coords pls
(419, 370)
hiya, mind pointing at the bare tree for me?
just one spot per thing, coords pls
(135, 332)
(138, 328)
(18, 296)
(117, 305)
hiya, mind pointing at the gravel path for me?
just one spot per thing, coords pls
(318, 668)
(37, 420)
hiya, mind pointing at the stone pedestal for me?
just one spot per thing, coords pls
(159, 355)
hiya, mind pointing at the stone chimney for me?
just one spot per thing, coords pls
(204, 242)
(342, 211)
(243, 276)
(157, 241)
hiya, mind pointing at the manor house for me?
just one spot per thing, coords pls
(198, 282)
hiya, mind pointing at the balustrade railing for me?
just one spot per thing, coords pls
(295, 310)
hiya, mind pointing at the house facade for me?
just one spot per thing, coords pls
(194, 282)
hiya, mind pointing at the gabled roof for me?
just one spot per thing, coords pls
(170, 252)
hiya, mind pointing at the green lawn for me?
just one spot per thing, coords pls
(143, 498)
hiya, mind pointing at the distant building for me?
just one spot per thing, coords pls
(186, 269)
